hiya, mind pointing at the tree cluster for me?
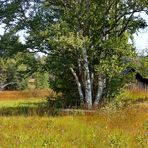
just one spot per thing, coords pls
(17, 71)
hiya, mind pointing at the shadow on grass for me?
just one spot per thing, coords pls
(29, 109)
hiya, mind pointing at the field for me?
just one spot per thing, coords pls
(21, 125)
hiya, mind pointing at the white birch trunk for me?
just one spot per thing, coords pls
(88, 88)
(92, 80)
(99, 91)
(78, 85)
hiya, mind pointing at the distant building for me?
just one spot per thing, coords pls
(141, 82)
(31, 83)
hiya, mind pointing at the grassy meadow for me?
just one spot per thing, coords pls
(22, 125)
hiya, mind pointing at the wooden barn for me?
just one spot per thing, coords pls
(141, 82)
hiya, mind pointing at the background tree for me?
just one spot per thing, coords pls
(11, 77)
(141, 64)
(16, 71)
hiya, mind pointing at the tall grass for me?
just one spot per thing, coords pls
(125, 129)
(137, 94)
(133, 95)
(26, 123)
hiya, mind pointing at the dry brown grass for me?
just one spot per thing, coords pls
(134, 95)
(26, 94)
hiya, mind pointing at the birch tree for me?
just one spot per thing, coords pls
(97, 34)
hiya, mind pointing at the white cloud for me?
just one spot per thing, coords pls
(141, 37)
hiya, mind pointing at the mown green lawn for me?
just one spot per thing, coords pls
(21, 102)
(22, 107)
(127, 128)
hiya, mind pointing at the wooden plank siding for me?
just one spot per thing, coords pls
(138, 86)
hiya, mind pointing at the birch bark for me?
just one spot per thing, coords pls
(78, 86)
(88, 88)
(99, 94)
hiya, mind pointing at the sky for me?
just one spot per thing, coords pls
(140, 38)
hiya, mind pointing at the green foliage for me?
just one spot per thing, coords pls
(42, 79)
(10, 74)
(64, 83)
(141, 63)
(54, 105)
(10, 45)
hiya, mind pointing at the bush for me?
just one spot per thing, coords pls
(56, 103)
